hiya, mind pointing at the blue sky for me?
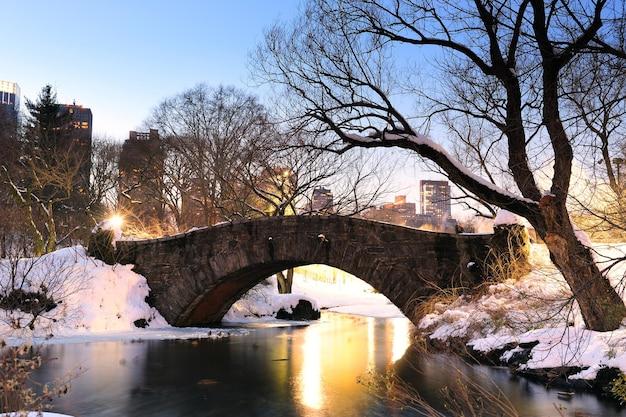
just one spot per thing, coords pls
(120, 58)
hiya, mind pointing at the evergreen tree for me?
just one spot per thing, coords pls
(46, 123)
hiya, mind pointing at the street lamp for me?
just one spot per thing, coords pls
(115, 221)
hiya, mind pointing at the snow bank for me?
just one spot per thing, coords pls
(263, 301)
(531, 310)
(261, 304)
(357, 298)
(93, 299)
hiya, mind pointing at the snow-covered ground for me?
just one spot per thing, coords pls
(535, 309)
(95, 301)
(262, 302)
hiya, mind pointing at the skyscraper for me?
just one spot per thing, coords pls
(141, 168)
(435, 199)
(9, 110)
(322, 200)
(399, 212)
(77, 141)
(9, 99)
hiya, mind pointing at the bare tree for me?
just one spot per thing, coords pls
(209, 129)
(597, 105)
(104, 176)
(279, 175)
(337, 64)
(38, 187)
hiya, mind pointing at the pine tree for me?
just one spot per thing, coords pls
(46, 123)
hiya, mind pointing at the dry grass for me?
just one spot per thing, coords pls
(435, 303)
(464, 397)
(19, 393)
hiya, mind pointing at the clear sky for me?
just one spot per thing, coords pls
(121, 57)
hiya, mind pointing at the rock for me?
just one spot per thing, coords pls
(604, 378)
(101, 246)
(141, 323)
(554, 377)
(521, 354)
(491, 357)
(302, 311)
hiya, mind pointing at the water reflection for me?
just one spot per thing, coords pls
(371, 344)
(310, 380)
(401, 337)
(306, 372)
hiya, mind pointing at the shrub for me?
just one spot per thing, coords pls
(19, 393)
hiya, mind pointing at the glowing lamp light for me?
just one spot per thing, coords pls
(116, 221)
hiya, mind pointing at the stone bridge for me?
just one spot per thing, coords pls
(195, 277)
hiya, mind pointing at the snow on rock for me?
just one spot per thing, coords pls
(262, 305)
(531, 310)
(93, 298)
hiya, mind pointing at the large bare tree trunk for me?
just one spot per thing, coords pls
(501, 58)
(601, 307)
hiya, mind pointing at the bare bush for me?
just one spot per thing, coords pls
(32, 290)
(19, 392)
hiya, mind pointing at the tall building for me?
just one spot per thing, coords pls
(77, 142)
(9, 99)
(435, 199)
(322, 201)
(9, 110)
(399, 212)
(141, 166)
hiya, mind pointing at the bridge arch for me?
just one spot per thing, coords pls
(196, 277)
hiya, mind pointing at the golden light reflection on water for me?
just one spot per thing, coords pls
(371, 344)
(341, 350)
(310, 378)
(401, 338)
